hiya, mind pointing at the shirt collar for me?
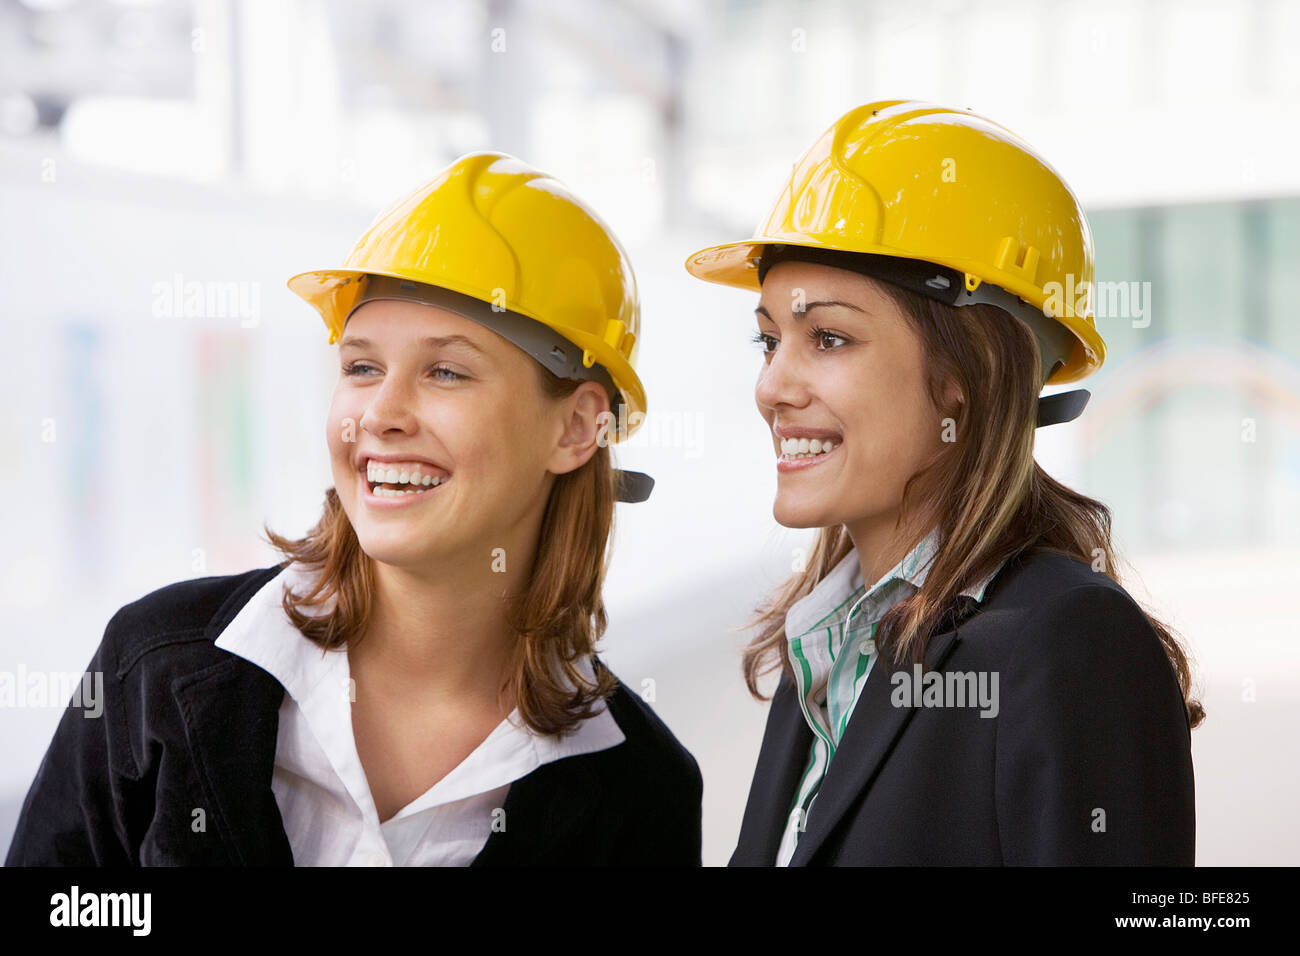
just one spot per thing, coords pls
(317, 680)
(833, 595)
(262, 633)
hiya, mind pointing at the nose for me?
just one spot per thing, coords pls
(782, 381)
(392, 406)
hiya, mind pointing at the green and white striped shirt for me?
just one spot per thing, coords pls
(831, 633)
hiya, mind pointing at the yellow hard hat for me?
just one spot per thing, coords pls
(904, 186)
(506, 245)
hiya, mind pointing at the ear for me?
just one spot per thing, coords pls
(582, 428)
(952, 394)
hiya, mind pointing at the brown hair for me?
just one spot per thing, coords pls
(994, 502)
(559, 614)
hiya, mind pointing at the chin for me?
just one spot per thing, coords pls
(800, 514)
(397, 554)
(381, 548)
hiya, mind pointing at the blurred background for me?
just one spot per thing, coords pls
(147, 145)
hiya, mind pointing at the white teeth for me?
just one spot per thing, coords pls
(382, 492)
(804, 447)
(393, 475)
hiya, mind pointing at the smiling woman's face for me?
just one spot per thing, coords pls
(843, 365)
(440, 396)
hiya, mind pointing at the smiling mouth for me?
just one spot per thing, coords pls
(384, 489)
(800, 449)
(394, 482)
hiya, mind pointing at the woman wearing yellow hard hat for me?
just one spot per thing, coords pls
(963, 680)
(416, 684)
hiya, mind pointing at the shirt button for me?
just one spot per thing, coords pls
(377, 859)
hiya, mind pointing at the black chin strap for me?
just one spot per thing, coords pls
(1062, 407)
(633, 486)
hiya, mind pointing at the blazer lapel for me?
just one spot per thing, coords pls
(870, 735)
(231, 715)
(782, 759)
(545, 812)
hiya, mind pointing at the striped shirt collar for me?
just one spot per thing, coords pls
(830, 601)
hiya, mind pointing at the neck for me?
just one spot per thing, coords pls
(880, 545)
(441, 633)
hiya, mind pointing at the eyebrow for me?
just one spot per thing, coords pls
(432, 341)
(810, 306)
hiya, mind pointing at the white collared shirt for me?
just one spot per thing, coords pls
(320, 786)
(832, 651)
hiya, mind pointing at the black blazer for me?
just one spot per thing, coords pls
(187, 725)
(1090, 721)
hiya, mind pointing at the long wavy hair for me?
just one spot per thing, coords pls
(558, 615)
(994, 502)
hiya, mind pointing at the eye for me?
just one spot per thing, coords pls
(825, 340)
(440, 372)
(768, 342)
